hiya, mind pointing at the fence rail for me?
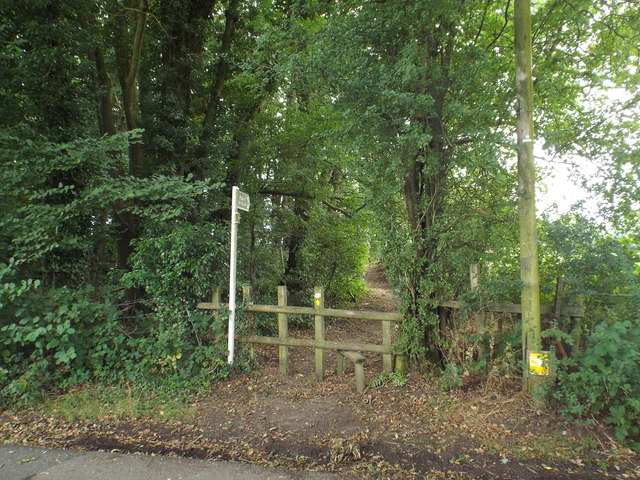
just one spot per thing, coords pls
(307, 342)
(566, 310)
(325, 312)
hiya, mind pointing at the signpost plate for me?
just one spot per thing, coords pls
(243, 201)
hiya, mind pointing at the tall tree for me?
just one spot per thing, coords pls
(423, 88)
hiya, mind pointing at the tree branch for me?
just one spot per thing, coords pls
(136, 50)
(504, 26)
(338, 209)
(308, 196)
(285, 193)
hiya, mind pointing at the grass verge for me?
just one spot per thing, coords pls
(90, 402)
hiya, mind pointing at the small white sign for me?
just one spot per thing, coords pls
(243, 201)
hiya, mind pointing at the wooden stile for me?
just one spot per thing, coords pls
(319, 343)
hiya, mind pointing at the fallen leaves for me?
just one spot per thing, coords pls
(342, 450)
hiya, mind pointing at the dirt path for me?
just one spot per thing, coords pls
(379, 297)
(416, 430)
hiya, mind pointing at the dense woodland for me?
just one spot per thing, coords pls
(363, 131)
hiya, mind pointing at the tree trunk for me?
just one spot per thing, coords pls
(106, 119)
(425, 194)
(129, 65)
(184, 27)
(213, 106)
(294, 244)
(128, 59)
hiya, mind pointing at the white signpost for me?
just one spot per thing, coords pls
(239, 201)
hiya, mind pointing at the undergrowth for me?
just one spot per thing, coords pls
(604, 380)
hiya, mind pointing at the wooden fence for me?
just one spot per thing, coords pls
(561, 307)
(574, 311)
(319, 343)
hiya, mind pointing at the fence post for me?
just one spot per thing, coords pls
(246, 298)
(387, 358)
(474, 275)
(576, 331)
(480, 318)
(215, 299)
(318, 302)
(283, 331)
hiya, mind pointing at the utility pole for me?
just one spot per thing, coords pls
(529, 270)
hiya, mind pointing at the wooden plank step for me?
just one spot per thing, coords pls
(355, 357)
(358, 362)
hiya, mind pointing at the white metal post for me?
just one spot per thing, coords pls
(232, 272)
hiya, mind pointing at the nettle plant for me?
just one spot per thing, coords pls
(604, 379)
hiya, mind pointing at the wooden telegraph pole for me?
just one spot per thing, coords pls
(529, 273)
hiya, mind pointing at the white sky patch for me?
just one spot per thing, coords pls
(559, 189)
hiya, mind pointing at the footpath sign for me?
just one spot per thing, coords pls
(239, 201)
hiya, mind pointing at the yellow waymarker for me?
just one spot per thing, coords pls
(539, 363)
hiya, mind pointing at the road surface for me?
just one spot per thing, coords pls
(19, 462)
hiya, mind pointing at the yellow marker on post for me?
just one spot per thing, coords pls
(539, 363)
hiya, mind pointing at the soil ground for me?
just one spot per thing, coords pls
(416, 430)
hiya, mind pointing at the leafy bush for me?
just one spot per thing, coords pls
(58, 336)
(179, 265)
(63, 337)
(59, 210)
(181, 349)
(605, 379)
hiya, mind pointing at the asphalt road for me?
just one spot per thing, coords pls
(19, 462)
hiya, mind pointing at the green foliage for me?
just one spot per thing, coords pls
(143, 214)
(412, 336)
(415, 93)
(591, 259)
(81, 338)
(451, 376)
(402, 141)
(604, 379)
(178, 264)
(57, 329)
(180, 347)
(334, 255)
(396, 379)
(49, 225)
(59, 336)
